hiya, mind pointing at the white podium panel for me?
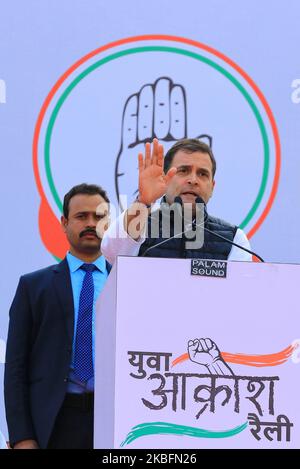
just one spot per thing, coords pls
(192, 361)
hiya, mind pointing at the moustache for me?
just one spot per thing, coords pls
(84, 232)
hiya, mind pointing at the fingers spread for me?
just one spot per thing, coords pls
(147, 155)
(160, 155)
(170, 174)
(141, 161)
(155, 146)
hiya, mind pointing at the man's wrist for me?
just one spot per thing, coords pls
(140, 201)
(26, 444)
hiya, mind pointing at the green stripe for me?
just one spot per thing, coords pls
(165, 428)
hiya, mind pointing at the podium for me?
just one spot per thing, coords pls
(198, 354)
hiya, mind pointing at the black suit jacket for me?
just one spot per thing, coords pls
(38, 354)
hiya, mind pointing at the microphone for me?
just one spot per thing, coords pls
(177, 200)
(199, 200)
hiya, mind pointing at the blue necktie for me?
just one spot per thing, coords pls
(83, 360)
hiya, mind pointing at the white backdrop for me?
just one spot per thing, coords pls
(77, 75)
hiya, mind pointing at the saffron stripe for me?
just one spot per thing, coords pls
(272, 359)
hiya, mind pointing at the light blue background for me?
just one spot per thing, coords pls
(40, 39)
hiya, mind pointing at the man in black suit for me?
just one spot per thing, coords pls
(49, 380)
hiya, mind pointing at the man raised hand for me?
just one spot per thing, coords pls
(186, 174)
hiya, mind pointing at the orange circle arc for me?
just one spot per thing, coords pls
(182, 40)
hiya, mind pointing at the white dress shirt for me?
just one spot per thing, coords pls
(117, 242)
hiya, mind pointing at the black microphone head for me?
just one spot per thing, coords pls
(178, 200)
(199, 200)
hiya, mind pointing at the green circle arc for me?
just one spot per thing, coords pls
(174, 50)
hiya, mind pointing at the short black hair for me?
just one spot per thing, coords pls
(189, 145)
(89, 189)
